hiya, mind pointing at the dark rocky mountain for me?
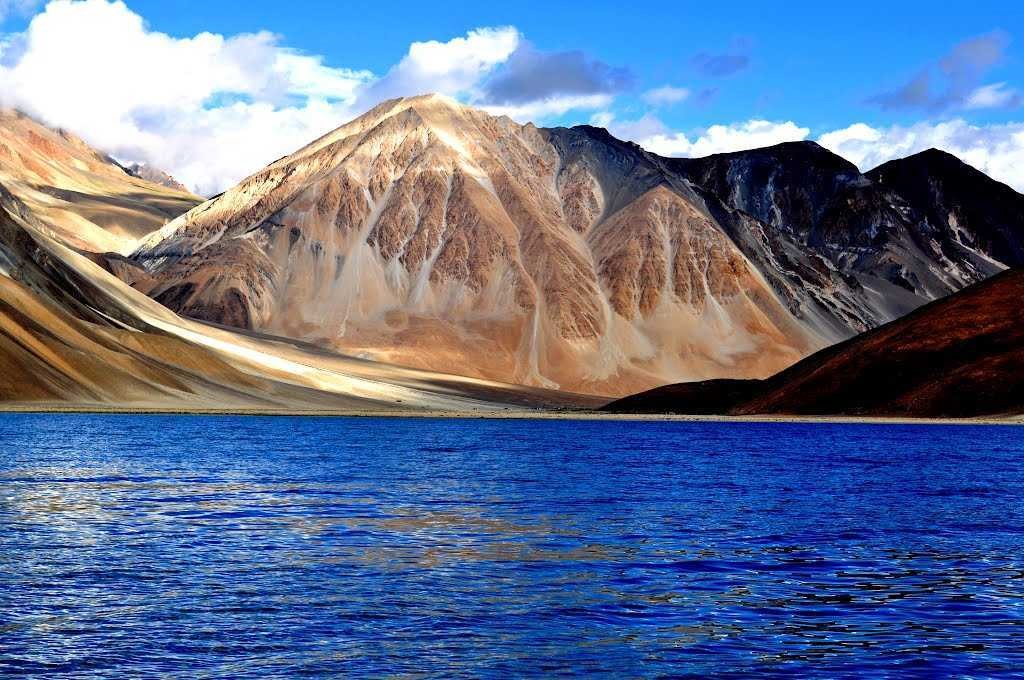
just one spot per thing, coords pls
(876, 250)
(958, 357)
(963, 204)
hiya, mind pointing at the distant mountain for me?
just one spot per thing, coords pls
(84, 195)
(959, 357)
(155, 175)
(431, 234)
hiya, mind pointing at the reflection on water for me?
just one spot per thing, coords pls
(273, 547)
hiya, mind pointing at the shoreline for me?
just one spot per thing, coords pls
(508, 414)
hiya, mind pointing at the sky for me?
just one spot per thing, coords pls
(211, 93)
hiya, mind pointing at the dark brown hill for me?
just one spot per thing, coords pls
(959, 357)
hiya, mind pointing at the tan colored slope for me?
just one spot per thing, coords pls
(90, 201)
(433, 235)
(74, 335)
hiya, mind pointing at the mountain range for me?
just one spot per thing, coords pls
(430, 234)
(426, 240)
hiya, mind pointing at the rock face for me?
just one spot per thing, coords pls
(962, 205)
(959, 357)
(89, 200)
(845, 249)
(430, 234)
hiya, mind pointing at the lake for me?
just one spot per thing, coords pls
(273, 547)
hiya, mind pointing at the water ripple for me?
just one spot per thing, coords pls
(255, 547)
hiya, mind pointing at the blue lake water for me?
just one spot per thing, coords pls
(263, 547)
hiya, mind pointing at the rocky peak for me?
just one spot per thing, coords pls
(965, 206)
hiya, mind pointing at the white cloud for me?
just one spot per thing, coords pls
(552, 106)
(182, 104)
(751, 134)
(453, 68)
(667, 94)
(996, 150)
(209, 108)
(995, 96)
(645, 127)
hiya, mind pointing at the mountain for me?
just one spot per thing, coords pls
(833, 238)
(963, 204)
(90, 201)
(430, 234)
(73, 335)
(155, 175)
(959, 357)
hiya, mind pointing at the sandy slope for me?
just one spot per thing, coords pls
(131, 351)
(84, 196)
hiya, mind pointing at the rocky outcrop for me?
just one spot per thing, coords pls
(964, 207)
(155, 175)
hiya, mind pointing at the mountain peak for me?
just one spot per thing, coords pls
(434, 99)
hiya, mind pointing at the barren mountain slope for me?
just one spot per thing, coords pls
(430, 234)
(964, 205)
(90, 201)
(72, 334)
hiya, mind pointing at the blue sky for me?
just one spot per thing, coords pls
(872, 80)
(815, 62)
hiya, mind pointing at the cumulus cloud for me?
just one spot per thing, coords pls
(643, 128)
(531, 75)
(96, 68)
(751, 134)
(533, 85)
(996, 150)
(454, 68)
(538, 110)
(955, 80)
(666, 94)
(211, 108)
